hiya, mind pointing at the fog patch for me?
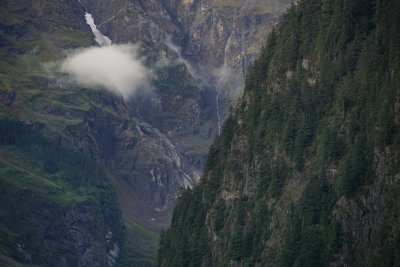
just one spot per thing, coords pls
(198, 73)
(177, 49)
(114, 67)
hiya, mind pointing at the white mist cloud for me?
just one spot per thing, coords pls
(199, 73)
(168, 42)
(114, 67)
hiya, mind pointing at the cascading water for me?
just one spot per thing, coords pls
(101, 39)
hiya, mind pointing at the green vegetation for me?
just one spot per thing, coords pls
(41, 181)
(41, 177)
(140, 246)
(319, 103)
(29, 55)
(193, 248)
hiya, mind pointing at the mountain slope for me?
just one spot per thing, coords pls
(51, 213)
(99, 124)
(57, 207)
(150, 146)
(305, 172)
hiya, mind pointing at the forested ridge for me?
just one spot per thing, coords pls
(306, 169)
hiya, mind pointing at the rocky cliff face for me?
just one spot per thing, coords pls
(224, 38)
(217, 39)
(68, 240)
(79, 226)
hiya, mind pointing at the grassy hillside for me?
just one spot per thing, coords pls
(54, 202)
(57, 206)
(305, 172)
(33, 38)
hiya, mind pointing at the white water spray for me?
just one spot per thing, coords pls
(101, 39)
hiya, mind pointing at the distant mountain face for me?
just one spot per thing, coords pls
(305, 171)
(214, 43)
(217, 38)
(151, 146)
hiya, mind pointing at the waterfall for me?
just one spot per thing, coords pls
(101, 39)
